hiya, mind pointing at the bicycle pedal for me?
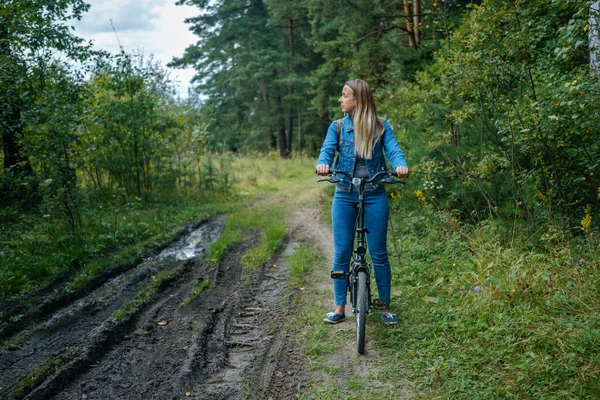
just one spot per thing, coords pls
(380, 304)
(338, 274)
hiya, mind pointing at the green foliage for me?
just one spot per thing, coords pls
(131, 129)
(491, 314)
(243, 78)
(279, 88)
(507, 115)
(39, 96)
(495, 110)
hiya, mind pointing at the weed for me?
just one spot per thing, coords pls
(201, 286)
(146, 294)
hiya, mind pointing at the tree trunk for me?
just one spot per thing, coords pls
(290, 87)
(417, 22)
(136, 160)
(299, 146)
(594, 38)
(272, 137)
(281, 128)
(290, 126)
(282, 139)
(409, 25)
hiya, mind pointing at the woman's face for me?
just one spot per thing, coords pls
(347, 100)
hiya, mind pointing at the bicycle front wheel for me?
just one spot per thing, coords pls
(362, 309)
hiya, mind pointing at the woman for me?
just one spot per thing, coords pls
(362, 140)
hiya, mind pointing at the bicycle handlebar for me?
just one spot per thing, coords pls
(389, 176)
(369, 180)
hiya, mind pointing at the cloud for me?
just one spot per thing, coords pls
(156, 28)
(127, 15)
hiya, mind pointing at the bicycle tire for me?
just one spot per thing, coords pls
(362, 309)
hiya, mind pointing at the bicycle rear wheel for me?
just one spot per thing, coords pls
(362, 309)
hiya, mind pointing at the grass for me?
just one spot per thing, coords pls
(200, 287)
(145, 295)
(36, 250)
(485, 315)
(39, 374)
(301, 261)
(257, 219)
(256, 213)
(486, 311)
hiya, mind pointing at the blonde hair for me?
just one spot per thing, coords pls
(368, 128)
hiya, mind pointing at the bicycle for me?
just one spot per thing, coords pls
(359, 274)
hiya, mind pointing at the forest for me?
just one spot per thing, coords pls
(495, 104)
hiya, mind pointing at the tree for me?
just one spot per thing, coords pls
(31, 31)
(292, 21)
(52, 130)
(264, 65)
(507, 111)
(238, 60)
(129, 128)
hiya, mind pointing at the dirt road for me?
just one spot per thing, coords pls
(229, 342)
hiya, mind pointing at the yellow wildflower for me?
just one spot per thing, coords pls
(396, 196)
(586, 221)
(421, 197)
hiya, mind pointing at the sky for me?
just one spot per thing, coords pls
(155, 27)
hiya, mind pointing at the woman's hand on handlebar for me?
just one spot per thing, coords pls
(402, 172)
(323, 169)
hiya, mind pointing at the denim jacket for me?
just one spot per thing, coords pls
(347, 158)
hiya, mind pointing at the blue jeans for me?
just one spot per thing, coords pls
(343, 215)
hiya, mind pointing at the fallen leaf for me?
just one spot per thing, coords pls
(188, 394)
(162, 322)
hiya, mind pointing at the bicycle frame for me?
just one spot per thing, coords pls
(359, 262)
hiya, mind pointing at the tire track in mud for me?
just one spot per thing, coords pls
(39, 361)
(160, 361)
(215, 348)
